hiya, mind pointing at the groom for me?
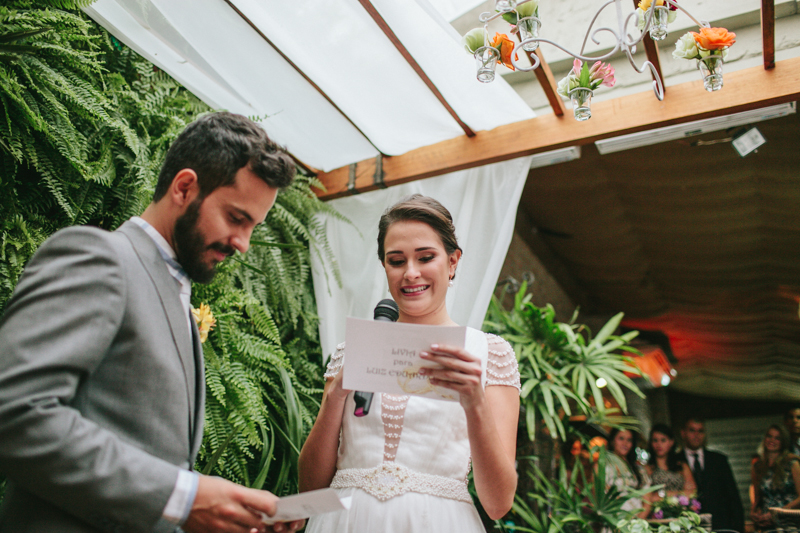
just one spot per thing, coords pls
(101, 370)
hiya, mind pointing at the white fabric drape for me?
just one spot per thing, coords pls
(483, 202)
(221, 52)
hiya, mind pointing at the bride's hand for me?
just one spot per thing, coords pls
(335, 391)
(461, 371)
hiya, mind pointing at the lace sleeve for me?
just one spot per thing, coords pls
(336, 363)
(502, 366)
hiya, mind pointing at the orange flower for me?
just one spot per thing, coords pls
(505, 46)
(714, 38)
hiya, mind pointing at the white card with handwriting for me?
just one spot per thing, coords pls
(384, 356)
(306, 504)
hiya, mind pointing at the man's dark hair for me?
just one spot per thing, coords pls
(216, 146)
(696, 419)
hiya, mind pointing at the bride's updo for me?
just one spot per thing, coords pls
(421, 209)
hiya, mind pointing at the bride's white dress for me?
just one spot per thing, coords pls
(405, 464)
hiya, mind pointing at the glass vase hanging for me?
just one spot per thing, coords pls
(528, 28)
(581, 98)
(486, 59)
(658, 26)
(711, 69)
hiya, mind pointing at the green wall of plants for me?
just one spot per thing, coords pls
(84, 125)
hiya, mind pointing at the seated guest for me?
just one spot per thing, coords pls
(775, 479)
(666, 467)
(792, 422)
(624, 472)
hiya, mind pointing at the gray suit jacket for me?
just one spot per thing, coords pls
(101, 386)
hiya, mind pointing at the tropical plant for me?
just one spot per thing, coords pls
(560, 364)
(574, 501)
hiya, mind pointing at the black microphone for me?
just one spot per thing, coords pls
(387, 311)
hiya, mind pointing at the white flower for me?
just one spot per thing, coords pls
(685, 47)
(671, 16)
(473, 40)
(528, 9)
(567, 83)
(641, 16)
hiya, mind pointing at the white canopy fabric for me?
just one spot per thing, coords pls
(483, 202)
(264, 59)
(233, 55)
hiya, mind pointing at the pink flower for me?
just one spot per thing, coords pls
(603, 71)
(658, 515)
(599, 74)
(695, 505)
(683, 500)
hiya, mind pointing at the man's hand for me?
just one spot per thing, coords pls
(222, 506)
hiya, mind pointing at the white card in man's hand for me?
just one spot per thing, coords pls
(306, 504)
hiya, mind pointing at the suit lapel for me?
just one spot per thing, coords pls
(200, 395)
(169, 297)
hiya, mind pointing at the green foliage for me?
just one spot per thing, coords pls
(574, 502)
(560, 363)
(688, 522)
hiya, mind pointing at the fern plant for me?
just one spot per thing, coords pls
(54, 170)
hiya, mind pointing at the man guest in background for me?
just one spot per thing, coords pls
(716, 486)
(792, 421)
(101, 370)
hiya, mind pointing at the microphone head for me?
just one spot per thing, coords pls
(387, 310)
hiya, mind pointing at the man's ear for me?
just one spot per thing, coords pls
(184, 188)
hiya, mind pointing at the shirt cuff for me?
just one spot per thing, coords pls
(180, 502)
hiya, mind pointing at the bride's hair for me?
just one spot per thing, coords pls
(421, 209)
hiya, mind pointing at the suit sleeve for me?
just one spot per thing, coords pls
(731, 492)
(58, 327)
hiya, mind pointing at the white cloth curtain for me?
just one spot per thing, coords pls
(483, 202)
(210, 47)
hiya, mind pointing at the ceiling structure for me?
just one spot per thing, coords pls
(690, 240)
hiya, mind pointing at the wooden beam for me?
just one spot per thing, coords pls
(379, 20)
(546, 80)
(768, 32)
(744, 90)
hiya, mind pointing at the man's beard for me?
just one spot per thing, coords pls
(190, 245)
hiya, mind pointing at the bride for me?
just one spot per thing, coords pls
(406, 463)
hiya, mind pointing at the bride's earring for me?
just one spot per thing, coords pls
(450, 283)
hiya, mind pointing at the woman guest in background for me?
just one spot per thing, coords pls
(405, 464)
(775, 478)
(665, 467)
(624, 472)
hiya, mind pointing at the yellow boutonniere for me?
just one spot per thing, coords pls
(205, 320)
